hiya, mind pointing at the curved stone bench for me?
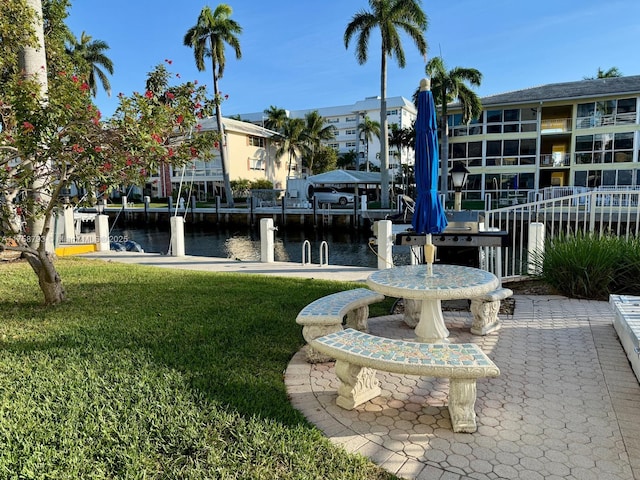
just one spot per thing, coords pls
(325, 315)
(358, 355)
(485, 311)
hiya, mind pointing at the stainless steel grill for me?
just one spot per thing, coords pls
(463, 230)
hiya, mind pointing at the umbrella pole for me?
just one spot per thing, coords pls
(429, 255)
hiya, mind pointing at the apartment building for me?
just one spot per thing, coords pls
(579, 134)
(252, 156)
(347, 118)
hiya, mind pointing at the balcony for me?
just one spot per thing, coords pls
(555, 125)
(555, 160)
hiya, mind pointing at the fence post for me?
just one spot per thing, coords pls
(535, 248)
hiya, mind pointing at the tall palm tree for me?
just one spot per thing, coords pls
(292, 143)
(389, 16)
(92, 53)
(208, 38)
(370, 129)
(276, 118)
(449, 86)
(316, 130)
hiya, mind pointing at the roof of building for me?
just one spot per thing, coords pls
(345, 176)
(238, 126)
(369, 103)
(599, 87)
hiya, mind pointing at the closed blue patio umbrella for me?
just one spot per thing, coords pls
(429, 216)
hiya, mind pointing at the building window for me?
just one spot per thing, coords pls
(350, 144)
(350, 119)
(349, 132)
(608, 112)
(604, 148)
(333, 120)
(256, 141)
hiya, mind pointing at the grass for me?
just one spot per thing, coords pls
(154, 373)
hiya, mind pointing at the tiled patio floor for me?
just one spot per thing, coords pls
(566, 405)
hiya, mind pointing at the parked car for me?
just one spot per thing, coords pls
(332, 195)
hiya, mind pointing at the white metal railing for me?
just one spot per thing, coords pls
(599, 212)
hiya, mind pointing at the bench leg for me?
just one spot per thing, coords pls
(462, 400)
(485, 316)
(357, 319)
(311, 332)
(358, 385)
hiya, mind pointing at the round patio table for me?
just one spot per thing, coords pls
(447, 282)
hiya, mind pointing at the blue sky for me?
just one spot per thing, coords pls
(293, 54)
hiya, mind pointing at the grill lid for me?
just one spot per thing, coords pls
(464, 221)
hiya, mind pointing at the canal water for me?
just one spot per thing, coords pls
(241, 243)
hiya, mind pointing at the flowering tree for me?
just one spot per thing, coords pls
(50, 143)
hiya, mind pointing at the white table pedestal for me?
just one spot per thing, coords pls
(431, 327)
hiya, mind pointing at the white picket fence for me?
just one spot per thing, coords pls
(599, 212)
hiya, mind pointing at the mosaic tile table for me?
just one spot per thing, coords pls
(447, 282)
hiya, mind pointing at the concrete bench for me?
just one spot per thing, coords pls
(358, 355)
(325, 315)
(485, 311)
(626, 322)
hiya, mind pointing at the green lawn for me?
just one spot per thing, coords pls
(155, 373)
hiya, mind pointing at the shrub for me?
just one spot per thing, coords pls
(590, 267)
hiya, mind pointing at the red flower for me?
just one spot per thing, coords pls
(74, 78)
(148, 94)
(28, 127)
(77, 148)
(106, 166)
(197, 105)
(84, 87)
(98, 148)
(179, 119)
(156, 137)
(170, 96)
(216, 144)
(170, 152)
(194, 152)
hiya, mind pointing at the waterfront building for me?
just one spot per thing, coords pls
(252, 156)
(346, 120)
(583, 134)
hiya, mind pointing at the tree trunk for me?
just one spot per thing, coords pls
(384, 134)
(50, 282)
(223, 142)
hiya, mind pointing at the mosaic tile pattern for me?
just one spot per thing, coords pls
(447, 281)
(399, 351)
(335, 306)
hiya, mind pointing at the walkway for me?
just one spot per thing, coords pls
(566, 406)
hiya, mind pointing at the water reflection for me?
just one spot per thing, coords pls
(345, 248)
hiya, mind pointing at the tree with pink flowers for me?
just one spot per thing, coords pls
(52, 136)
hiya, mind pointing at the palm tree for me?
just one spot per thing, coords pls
(315, 132)
(91, 53)
(448, 86)
(370, 129)
(613, 72)
(292, 142)
(208, 38)
(276, 118)
(388, 16)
